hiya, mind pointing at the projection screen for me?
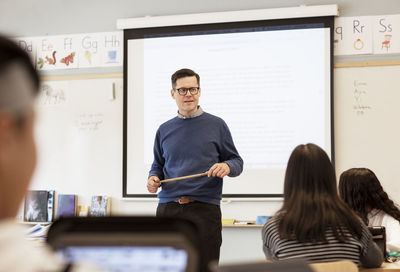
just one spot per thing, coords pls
(270, 80)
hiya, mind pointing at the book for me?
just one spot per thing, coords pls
(83, 210)
(227, 222)
(38, 232)
(66, 205)
(36, 206)
(244, 222)
(50, 205)
(99, 206)
(262, 219)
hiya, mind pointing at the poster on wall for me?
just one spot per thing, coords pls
(353, 36)
(88, 50)
(29, 46)
(56, 53)
(111, 49)
(386, 34)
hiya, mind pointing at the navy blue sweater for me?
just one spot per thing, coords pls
(191, 146)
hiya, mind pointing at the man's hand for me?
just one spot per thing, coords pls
(219, 170)
(153, 183)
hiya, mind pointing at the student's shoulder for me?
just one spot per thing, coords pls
(273, 220)
(271, 224)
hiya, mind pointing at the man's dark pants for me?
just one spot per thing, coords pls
(207, 217)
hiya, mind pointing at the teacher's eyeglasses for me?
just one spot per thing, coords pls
(192, 90)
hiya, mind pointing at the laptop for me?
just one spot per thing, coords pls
(127, 243)
(379, 237)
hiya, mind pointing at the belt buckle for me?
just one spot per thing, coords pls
(184, 200)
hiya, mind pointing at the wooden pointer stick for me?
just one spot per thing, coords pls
(185, 177)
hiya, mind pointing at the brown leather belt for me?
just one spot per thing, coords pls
(184, 200)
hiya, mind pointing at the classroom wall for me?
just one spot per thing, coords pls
(51, 17)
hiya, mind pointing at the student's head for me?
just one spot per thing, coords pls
(186, 91)
(362, 192)
(311, 202)
(19, 85)
(309, 174)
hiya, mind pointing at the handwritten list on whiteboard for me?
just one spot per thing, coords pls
(367, 130)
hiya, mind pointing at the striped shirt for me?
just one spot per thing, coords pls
(333, 250)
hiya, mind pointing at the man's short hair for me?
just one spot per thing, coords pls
(185, 72)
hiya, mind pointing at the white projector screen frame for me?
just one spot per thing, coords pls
(294, 57)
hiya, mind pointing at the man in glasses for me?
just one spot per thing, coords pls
(193, 142)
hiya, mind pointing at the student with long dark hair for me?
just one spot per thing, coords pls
(363, 193)
(313, 223)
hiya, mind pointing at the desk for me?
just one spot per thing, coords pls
(386, 267)
(243, 226)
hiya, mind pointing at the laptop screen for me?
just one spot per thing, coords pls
(128, 258)
(127, 243)
(132, 252)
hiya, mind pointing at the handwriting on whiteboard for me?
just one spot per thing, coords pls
(89, 121)
(360, 105)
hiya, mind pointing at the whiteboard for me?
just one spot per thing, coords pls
(367, 117)
(79, 137)
(76, 157)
